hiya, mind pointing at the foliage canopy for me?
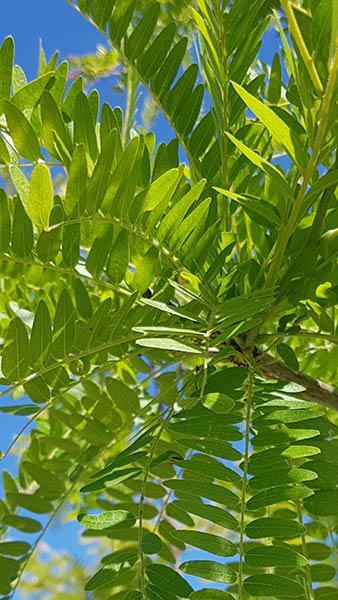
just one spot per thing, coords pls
(168, 323)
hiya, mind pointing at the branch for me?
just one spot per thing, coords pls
(315, 390)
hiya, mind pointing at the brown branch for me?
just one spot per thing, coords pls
(270, 367)
(314, 389)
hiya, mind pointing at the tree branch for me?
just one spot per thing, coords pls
(315, 390)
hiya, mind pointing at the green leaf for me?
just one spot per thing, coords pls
(124, 179)
(52, 486)
(260, 162)
(278, 494)
(117, 477)
(15, 357)
(64, 326)
(77, 182)
(271, 585)
(28, 95)
(323, 503)
(120, 19)
(182, 90)
(146, 270)
(5, 223)
(255, 206)
(82, 299)
(280, 476)
(214, 447)
(71, 244)
(288, 355)
(125, 398)
(189, 224)
(207, 429)
(22, 234)
(274, 527)
(136, 43)
(275, 82)
(273, 437)
(106, 519)
(41, 196)
(151, 543)
(165, 578)
(5, 157)
(84, 128)
(22, 132)
(14, 548)
(210, 467)
(191, 110)
(211, 513)
(38, 390)
(211, 594)
(207, 569)
(169, 68)
(167, 344)
(276, 127)
(24, 524)
(322, 572)
(102, 12)
(218, 403)
(152, 59)
(259, 461)
(118, 260)
(6, 68)
(31, 502)
(176, 214)
(274, 556)
(99, 181)
(161, 190)
(107, 575)
(206, 490)
(52, 123)
(206, 541)
(21, 183)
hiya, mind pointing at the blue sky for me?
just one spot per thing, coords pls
(59, 27)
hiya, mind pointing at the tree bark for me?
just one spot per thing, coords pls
(314, 389)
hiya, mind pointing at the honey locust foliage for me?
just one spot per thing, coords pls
(168, 325)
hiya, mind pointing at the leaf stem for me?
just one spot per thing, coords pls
(299, 40)
(297, 208)
(142, 498)
(131, 90)
(224, 99)
(244, 482)
(308, 582)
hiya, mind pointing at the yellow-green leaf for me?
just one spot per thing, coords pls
(41, 196)
(22, 132)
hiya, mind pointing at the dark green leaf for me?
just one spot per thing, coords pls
(274, 527)
(206, 541)
(22, 234)
(15, 358)
(151, 543)
(166, 578)
(24, 524)
(5, 223)
(272, 585)
(207, 569)
(136, 43)
(274, 556)
(6, 67)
